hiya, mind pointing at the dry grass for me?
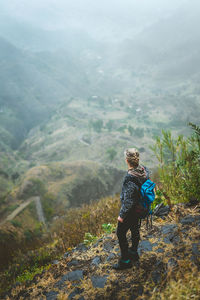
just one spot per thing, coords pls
(181, 285)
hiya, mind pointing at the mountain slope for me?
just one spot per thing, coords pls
(170, 46)
(169, 259)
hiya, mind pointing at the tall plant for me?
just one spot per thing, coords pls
(179, 165)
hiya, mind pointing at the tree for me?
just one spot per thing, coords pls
(131, 130)
(97, 125)
(111, 152)
(109, 125)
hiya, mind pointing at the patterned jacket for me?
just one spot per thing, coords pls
(130, 192)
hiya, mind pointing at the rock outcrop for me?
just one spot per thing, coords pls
(86, 272)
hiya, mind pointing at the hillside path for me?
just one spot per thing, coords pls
(39, 209)
(23, 206)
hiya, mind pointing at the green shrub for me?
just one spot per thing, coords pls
(179, 167)
(122, 128)
(89, 239)
(97, 125)
(111, 153)
(48, 203)
(11, 208)
(159, 198)
(29, 274)
(16, 223)
(37, 188)
(28, 235)
(108, 228)
(109, 125)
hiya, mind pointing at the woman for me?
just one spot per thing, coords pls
(128, 217)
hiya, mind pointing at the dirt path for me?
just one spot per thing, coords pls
(39, 209)
(23, 206)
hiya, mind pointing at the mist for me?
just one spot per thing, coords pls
(80, 82)
(107, 20)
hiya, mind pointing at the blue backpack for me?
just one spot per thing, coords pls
(146, 198)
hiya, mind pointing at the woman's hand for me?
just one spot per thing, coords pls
(120, 219)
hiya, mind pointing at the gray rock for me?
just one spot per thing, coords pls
(170, 233)
(117, 249)
(81, 247)
(160, 250)
(108, 246)
(74, 275)
(156, 277)
(73, 262)
(107, 238)
(111, 256)
(166, 240)
(169, 228)
(195, 248)
(197, 219)
(144, 246)
(55, 262)
(138, 291)
(52, 295)
(66, 254)
(161, 210)
(192, 201)
(188, 220)
(98, 281)
(175, 239)
(71, 276)
(97, 242)
(96, 261)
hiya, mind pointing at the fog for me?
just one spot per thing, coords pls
(80, 81)
(135, 51)
(102, 19)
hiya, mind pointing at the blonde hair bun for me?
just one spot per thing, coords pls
(132, 155)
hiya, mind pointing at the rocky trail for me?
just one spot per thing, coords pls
(170, 247)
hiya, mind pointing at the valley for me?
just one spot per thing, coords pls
(71, 102)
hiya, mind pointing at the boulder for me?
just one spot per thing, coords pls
(168, 228)
(99, 281)
(188, 220)
(161, 210)
(73, 262)
(145, 246)
(96, 261)
(71, 276)
(52, 295)
(108, 246)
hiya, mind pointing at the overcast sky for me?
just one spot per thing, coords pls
(118, 17)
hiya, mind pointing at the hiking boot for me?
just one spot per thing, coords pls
(133, 255)
(123, 264)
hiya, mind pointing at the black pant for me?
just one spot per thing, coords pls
(131, 222)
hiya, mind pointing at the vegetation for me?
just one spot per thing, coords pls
(89, 239)
(97, 125)
(108, 228)
(79, 225)
(179, 168)
(184, 284)
(111, 152)
(129, 110)
(179, 164)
